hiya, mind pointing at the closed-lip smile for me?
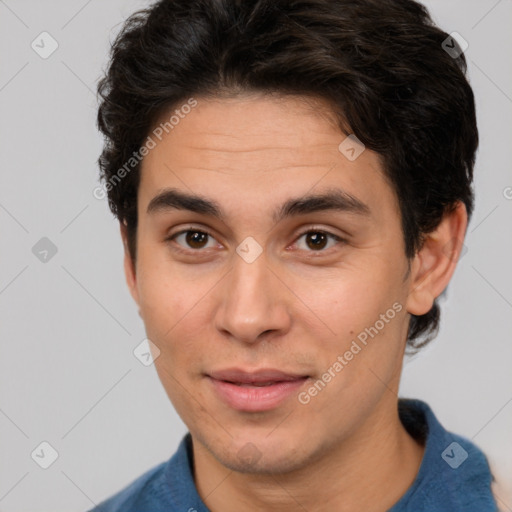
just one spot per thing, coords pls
(257, 390)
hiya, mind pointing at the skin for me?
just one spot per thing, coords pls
(295, 308)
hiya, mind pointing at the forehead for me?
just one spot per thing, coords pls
(259, 150)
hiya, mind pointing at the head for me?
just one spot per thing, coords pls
(293, 184)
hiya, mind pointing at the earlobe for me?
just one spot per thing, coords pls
(129, 267)
(435, 263)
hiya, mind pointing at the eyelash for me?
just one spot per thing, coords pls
(179, 249)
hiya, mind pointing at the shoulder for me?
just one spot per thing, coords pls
(166, 487)
(454, 474)
(145, 491)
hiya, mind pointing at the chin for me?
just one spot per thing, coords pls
(263, 454)
(267, 464)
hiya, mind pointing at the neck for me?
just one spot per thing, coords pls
(368, 471)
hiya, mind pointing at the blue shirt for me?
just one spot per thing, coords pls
(454, 475)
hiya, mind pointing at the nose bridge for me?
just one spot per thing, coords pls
(251, 301)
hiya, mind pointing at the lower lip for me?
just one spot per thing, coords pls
(256, 398)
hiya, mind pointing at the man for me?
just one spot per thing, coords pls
(293, 185)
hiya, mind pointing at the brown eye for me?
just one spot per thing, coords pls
(193, 240)
(196, 239)
(317, 241)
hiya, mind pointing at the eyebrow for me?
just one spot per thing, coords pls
(333, 199)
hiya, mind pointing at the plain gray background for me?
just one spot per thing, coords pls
(69, 327)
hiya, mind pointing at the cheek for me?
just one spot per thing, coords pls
(365, 314)
(174, 307)
(348, 300)
(165, 294)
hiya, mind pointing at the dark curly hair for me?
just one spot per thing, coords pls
(381, 65)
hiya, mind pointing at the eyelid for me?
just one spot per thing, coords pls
(319, 229)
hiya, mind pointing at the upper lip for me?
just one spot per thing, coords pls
(248, 377)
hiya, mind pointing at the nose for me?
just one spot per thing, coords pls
(252, 302)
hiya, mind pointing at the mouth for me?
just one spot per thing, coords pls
(260, 376)
(254, 384)
(256, 391)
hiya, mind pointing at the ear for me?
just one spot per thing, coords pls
(434, 264)
(129, 267)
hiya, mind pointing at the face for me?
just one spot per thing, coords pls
(280, 320)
